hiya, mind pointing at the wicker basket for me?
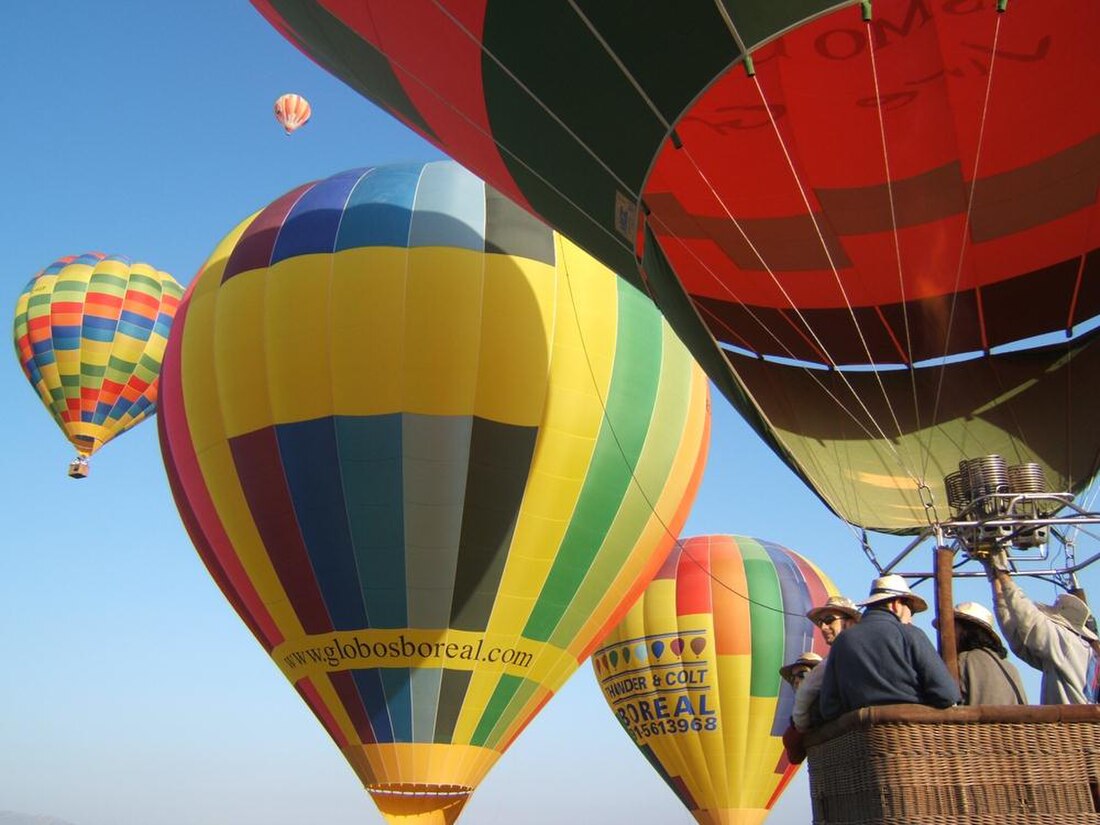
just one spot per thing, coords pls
(914, 765)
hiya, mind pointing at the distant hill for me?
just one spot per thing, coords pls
(13, 818)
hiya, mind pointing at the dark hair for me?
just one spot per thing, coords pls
(971, 636)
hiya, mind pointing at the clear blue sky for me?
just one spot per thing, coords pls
(132, 694)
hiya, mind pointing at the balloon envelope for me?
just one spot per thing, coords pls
(867, 193)
(292, 112)
(90, 332)
(692, 671)
(429, 450)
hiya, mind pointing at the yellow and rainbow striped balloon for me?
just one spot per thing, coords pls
(692, 671)
(430, 451)
(90, 332)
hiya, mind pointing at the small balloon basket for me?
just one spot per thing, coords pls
(78, 467)
(914, 765)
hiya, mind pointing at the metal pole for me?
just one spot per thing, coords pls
(945, 610)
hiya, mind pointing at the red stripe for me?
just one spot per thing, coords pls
(312, 698)
(693, 580)
(263, 482)
(344, 685)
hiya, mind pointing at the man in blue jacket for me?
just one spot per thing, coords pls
(884, 659)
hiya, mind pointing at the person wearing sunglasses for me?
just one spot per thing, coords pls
(832, 618)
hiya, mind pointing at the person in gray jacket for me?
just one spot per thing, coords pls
(1052, 638)
(985, 677)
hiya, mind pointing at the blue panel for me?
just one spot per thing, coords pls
(369, 685)
(395, 683)
(449, 209)
(312, 468)
(139, 333)
(379, 210)
(96, 322)
(142, 321)
(798, 631)
(94, 332)
(313, 222)
(371, 468)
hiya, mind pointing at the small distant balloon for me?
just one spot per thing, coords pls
(292, 112)
(90, 331)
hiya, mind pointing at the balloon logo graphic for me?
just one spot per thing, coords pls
(711, 722)
(90, 332)
(427, 449)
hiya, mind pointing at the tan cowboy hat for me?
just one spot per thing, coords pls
(808, 660)
(887, 588)
(1072, 613)
(835, 604)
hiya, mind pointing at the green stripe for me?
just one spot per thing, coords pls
(766, 622)
(108, 284)
(634, 378)
(498, 702)
(139, 280)
(509, 713)
(658, 459)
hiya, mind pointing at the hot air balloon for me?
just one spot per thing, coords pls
(90, 332)
(865, 220)
(292, 112)
(692, 671)
(430, 451)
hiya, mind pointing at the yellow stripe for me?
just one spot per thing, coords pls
(442, 330)
(368, 329)
(296, 338)
(310, 655)
(515, 340)
(240, 352)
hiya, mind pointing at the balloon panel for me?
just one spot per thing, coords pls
(427, 449)
(692, 670)
(90, 333)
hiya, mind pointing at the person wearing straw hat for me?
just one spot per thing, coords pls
(796, 671)
(1054, 638)
(794, 674)
(832, 618)
(884, 659)
(985, 678)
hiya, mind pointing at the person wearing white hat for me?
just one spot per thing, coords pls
(985, 677)
(1054, 638)
(885, 660)
(832, 618)
(796, 671)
